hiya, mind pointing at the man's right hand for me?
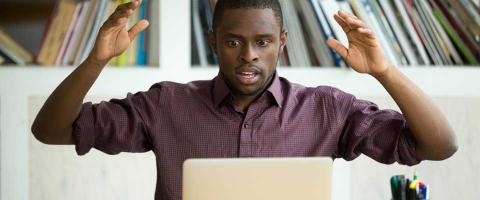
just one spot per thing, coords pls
(113, 37)
(54, 122)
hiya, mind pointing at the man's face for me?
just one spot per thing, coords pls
(247, 43)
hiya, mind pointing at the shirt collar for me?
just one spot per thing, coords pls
(221, 90)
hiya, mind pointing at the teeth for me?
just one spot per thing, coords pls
(248, 74)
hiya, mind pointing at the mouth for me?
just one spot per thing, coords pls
(248, 76)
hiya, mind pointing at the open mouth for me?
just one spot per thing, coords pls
(247, 77)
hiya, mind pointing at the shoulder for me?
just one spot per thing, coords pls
(319, 92)
(333, 93)
(169, 87)
(168, 93)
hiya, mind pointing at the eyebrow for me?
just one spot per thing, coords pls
(240, 36)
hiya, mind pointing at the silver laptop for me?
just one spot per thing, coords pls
(257, 179)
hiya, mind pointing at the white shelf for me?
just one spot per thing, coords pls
(437, 81)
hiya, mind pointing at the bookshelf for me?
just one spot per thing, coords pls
(20, 83)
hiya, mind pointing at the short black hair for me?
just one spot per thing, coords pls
(222, 5)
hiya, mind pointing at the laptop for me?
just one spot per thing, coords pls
(306, 178)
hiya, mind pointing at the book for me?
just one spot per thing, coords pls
(472, 10)
(153, 36)
(132, 50)
(459, 28)
(68, 35)
(469, 57)
(200, 40)
(330, 8)
(100, 15)
(56, 32)
(78, 32)
(449, 49)
(6, 60)
(476, 3)
(297, 50)
(326, 30)
(420, 29)
(400, 33)
(471, 26)
(320, 51)
(428, 35)
(364, 12)
(12, 50)
(206, 19)
(405, 19)
(142, 46)
(86, 31)
(388, 32)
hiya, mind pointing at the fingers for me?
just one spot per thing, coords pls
(137, 28)
(348, 22)
(351, 23)
(366, 32)
(120, 16)
(126, 9)
(338, 47)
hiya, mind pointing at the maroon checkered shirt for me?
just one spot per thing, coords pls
(197, 120)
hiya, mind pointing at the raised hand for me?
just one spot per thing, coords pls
(364, 53)
(113, 37)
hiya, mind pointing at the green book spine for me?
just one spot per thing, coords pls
(470, 58)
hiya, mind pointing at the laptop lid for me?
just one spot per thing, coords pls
(257, 179)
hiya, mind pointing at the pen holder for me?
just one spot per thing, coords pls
(405, 189)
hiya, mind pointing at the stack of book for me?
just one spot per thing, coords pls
(73, 27)
(411, 32)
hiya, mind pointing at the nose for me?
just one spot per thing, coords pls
(248, 54)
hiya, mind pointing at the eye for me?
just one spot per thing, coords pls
(263, 43)
(233, 43)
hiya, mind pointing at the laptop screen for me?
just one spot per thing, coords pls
(257, 178)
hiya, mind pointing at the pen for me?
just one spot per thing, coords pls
(414, 184)
(424, 191)
(403, 186)
(394, 187)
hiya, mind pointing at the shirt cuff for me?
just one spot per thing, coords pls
(411, 157)
(83, 129)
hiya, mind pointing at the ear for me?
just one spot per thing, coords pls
(283, 40)
(212, 40)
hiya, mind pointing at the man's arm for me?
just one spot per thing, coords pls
(53, 124)
(433, 134)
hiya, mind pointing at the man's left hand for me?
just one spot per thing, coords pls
(364, 53)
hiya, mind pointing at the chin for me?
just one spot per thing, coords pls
(248, 90)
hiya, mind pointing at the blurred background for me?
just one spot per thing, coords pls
(436, 43)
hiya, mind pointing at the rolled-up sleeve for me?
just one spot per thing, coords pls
(382, 135)
(119, 125)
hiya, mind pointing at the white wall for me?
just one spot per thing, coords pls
(29, 170)
(454, 178)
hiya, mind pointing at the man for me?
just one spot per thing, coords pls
(247, 110)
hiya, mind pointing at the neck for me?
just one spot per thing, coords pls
(241, 102)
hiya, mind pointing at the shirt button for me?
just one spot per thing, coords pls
(246, 125)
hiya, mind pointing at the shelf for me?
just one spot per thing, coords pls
(439, 81)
